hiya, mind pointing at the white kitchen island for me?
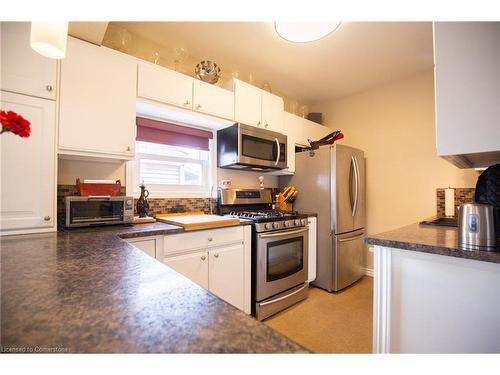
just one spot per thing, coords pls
(431, 297)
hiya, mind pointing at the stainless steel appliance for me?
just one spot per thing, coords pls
(247, 147)
(331, 181)
(98, 210)
(476, 227)
(279, 249)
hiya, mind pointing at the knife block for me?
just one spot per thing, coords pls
(283, 206)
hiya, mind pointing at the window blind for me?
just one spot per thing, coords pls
(155, 131)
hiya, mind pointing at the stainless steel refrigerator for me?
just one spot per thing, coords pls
(331, 183)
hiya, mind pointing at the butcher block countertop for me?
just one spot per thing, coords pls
(89, 291)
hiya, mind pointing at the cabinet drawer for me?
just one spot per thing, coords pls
(178, 243)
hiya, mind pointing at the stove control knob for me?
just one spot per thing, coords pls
(304, 221)
(288, 223)
(297, 221)
(268, 226)
(276, 225)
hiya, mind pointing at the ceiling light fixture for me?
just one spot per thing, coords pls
(49, 38)
(304, 31)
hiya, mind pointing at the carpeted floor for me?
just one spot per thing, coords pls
(331, 322)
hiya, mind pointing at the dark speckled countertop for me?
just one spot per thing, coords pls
(89, 291)
(430, 239)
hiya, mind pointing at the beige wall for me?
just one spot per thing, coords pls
(394, 125)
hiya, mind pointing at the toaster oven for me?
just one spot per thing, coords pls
(98, 210)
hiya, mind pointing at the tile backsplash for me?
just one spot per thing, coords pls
(462, 195)
(156, 205)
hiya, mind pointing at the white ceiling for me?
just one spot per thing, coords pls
(356, 57)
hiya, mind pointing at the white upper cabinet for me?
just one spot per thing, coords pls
(23, 70)
(213, 100)
(467, 84)
(28, 167)
(272, 112)
(256, 107)
(97, 102)
(247, 103)
(165, 85)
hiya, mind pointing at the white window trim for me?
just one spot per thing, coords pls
(134, 191)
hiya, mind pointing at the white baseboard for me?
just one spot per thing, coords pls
(369, 272)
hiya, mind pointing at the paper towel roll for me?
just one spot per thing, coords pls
(449, 202)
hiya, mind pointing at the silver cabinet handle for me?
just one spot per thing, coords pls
(279, 151)
(258, 124)
(49, 88)
(283, 233)
(128, 148)
(352, 238)
(46, 218)
(266, 125)
(283, 297)
(198, 106)
(186, 103)
(210, 239)
(216, 255)
(203, 257)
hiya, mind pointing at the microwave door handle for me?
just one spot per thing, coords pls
(90, 197)
(278, 147)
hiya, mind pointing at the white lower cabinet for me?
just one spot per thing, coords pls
(193, 265)
(312, 248)
(28, 168)
(226, 274)
(153, 245)
(217, 260)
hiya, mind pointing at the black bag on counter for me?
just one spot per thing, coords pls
(488, 191)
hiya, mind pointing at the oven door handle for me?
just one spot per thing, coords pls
(284, 297)
(283, 233)
(279, 151)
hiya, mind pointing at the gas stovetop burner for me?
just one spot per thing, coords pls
(265, 214)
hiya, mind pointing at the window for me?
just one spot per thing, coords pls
(170, 160)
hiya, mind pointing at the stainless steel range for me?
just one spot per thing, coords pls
(279, 249)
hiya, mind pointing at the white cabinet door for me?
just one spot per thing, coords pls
(28, 166)
(213, 100)
(165, 85)
(148, 246)
(22, 69)
(194, 266)
(226, 274)
(272, 112)
(247, 103)
(467, 85)
(312, 248)
(97, 103)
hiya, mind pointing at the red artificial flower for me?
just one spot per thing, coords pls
(15, 123)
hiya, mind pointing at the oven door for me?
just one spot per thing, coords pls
(281, 261)
(262, 148)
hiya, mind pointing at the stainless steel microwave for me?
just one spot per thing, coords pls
(247, 147)
(98, 210)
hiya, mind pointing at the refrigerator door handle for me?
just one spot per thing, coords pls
(356, 181)
(352, 238)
